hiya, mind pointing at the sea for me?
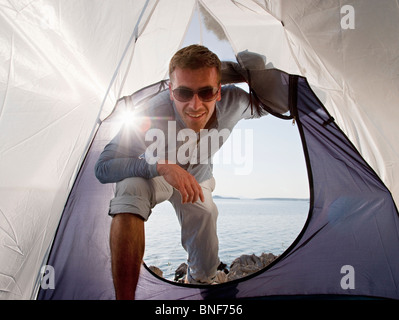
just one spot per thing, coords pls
(245, 226)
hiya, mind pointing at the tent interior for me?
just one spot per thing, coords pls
(66, 67)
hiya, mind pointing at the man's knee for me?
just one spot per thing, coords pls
(134, 186)
(206, 212)
(132, 195)
(127, 218)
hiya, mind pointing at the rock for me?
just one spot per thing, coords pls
(181, 272)
(156, 270)
(223, 267)
(247, 264)
(240, 267)
(267, 258)
(221, 277)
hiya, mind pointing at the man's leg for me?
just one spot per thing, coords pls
(131, 207)
(199, 234)
(127, 250)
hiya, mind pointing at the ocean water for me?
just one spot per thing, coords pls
(245, 226)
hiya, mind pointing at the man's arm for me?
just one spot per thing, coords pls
(121, 158)
(184, 182)
(110, 169)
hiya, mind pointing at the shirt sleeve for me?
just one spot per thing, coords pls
(123, 158)
(237, 104)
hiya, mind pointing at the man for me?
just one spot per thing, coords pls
(195, 105)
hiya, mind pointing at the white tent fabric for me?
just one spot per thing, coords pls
(58, 60)
(357, 71)
(64, 65)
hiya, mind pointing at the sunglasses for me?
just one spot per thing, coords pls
(205, 94)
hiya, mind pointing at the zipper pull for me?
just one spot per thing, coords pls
(293, 121)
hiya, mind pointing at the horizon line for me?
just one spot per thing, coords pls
(259, 198)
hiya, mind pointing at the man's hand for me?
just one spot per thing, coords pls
(181, 180)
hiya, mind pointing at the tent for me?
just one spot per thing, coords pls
(65, 67)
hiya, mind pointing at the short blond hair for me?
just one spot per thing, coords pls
(195, 57)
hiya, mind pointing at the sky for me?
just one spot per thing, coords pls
(268, 159)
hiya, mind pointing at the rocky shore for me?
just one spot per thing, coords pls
(240, 267)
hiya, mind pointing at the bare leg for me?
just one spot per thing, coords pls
(127, 243)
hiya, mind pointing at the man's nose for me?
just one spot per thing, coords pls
(196, 102)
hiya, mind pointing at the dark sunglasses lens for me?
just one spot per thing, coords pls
(183, 94)
(207, 94)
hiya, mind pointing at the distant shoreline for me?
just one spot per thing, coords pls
(264, 199)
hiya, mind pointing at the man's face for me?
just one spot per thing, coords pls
(195, 113)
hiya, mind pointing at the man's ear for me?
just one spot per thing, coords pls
(170, 91)
(219, 96)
